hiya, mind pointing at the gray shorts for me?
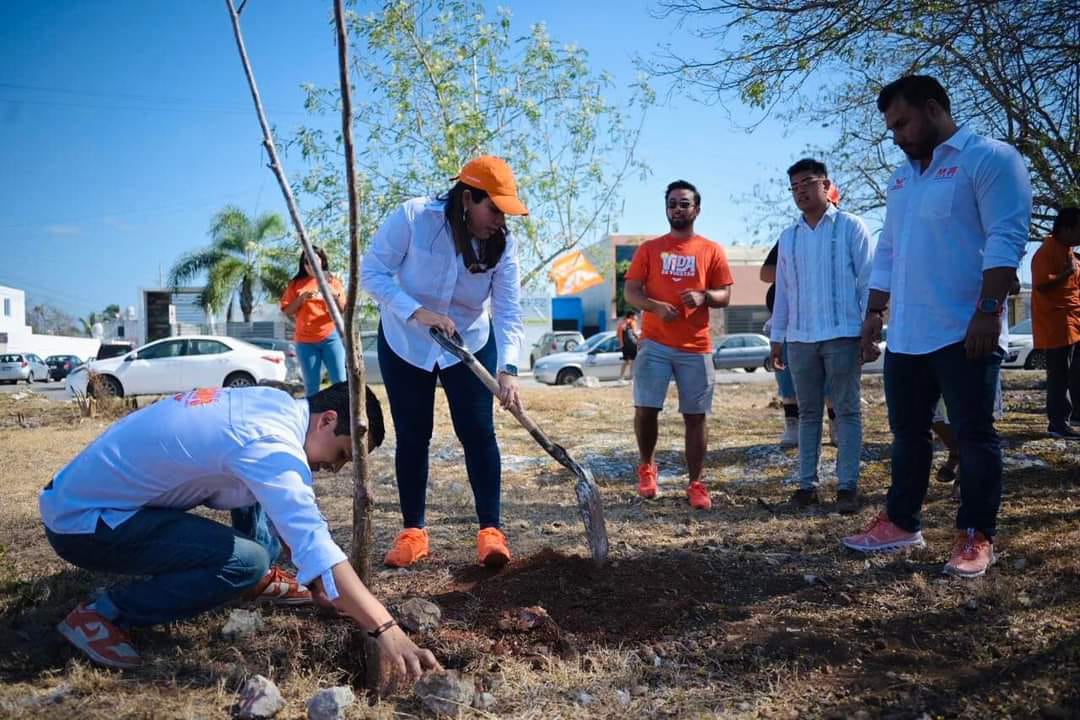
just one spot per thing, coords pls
(694, 377)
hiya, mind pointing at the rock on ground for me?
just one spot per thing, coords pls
(330, 703)
(418, 615)
(241, 624)
(587, 381)
(259, 698)
(447, 692)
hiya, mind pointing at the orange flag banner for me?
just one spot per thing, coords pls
(573, 273)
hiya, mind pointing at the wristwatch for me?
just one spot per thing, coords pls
(510, 370)
(990, 306)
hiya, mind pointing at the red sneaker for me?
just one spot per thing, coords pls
(883, 535)
(972, 553)
(99, 639)
(699, 496)
(280, 588)
(646, 480)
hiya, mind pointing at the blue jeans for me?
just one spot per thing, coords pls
(411, 391)
(913, 384)
(831, 367)
(194, 564)
(785, 385)
(313, 356)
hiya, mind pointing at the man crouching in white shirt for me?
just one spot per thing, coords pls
(121, 507)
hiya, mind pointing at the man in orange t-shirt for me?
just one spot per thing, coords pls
(675, 279)
(1055, 320)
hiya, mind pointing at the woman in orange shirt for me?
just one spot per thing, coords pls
(317, 340)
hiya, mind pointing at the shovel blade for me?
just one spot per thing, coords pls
(592, 514)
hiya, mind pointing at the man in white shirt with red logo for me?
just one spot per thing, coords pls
(121, 507)
(956, 225)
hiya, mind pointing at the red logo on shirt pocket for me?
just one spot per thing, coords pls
(202, 396)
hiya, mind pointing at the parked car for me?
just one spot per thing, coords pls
(61, 365)
(599, 357)
(1022, 352)
(742, 350)
(26, 366)
(292, 362)
(553, 342)
(369, 342)
(114, 348)
(177, 364)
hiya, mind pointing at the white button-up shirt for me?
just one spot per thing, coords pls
(412, 263)
(822, 279)
(221, 448)
(968, 212)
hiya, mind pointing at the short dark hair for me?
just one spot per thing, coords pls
(1067, 217)
(683, 185)
(629, 313)
(916, 90)
(808, 165)
(336, 398)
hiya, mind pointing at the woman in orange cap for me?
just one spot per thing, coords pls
(443, 262)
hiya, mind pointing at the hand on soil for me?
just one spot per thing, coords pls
(402, 661)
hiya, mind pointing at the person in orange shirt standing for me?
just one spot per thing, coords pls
(317, 340)
(1055, 320)
(675, 279)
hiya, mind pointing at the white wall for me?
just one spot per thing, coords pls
(21, 338)
(46, 345)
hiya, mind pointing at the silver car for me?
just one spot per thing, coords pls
(743, 350)
(599, 357)
(27, 367)
(553, 342)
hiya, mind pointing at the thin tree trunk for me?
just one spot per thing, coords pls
(362, 499)
(353, 358)
(283, 182)
(247, 298)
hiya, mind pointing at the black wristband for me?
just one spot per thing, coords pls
(382, 628)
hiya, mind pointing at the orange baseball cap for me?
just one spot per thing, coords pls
(492, 175)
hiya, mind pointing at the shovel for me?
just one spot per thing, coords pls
(588, 494)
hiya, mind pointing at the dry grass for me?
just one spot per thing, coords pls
(698, 615)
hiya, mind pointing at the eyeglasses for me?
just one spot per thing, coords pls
(684, 204)
(805, 183)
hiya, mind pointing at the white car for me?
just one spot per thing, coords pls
(1022, 352)
(178, 364)
(599, 357)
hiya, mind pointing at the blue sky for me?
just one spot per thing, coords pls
(125, 125)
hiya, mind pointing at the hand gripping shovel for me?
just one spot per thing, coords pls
(588, 495)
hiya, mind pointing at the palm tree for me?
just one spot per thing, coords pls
(88, 323)
(243, 258)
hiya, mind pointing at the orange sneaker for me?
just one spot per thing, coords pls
(280, 588)
(883, 535)
(99, 639)
(646, 480)
(491, 548)
(410, 545)
(972, 553)
(699, 496)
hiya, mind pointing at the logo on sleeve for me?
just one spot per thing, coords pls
(678, 266)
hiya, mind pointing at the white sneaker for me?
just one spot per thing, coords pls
(790, 438)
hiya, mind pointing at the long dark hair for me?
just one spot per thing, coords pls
(302, 272)
(491, 250)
